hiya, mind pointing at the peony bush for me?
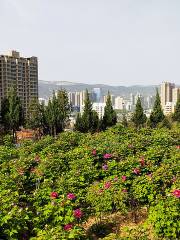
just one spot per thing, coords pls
(52, 188)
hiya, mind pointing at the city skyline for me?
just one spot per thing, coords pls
(114, 43)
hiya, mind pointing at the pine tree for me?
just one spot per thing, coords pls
(110, 117)
(34, 116)
(157, 114)
(95, 121)
(79, 124)
(176, 114)
(139, 118)
(124, 121)
(4, 110)
(165, 123)
(51, 115)
(12, 113)
(87, 113)
(64, 109)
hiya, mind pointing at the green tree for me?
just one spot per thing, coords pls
(79, 123)
(87, 115)
(95, 122)
(64, 109)
(176, 114)
(165, 123)
(51, 113)
(110, 117)
(4, 110)
(124, 121)
(139, 118)
(34, 116)
(12, 112)
(157, 114)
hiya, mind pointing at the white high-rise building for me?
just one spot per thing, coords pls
(99, 108)
(175, 95)
(119, 103)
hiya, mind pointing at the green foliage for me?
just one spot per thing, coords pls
(109, 118)
(176, 114)
(157, 114)
(164, 216)
(118, 171)
(11, 111)
(89, 120)
(35, 115)
(124, 121)
(139, 118)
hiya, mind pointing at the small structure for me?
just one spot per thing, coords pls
(28, 134)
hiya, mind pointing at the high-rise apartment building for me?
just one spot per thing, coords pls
(175, 95)
(166, 93)
(19, 73)
(119, 103)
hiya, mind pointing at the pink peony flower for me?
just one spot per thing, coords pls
(124, 190)
(136, 171)
(107, 185)
(71, 196)
(176, 193)
(105, 167)
(77, 213)
(107, 156)
(68, 227)
(142, 161)
(174, 179)
(94, 152)
(116, 179)
(124, 178)
(33, 170)
(54, 195)
(149, 175)
(130, 146)
(100, 191)
(37, 159)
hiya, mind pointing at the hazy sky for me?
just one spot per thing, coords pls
(117, 42)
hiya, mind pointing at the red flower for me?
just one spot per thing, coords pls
(71, 196)
(136, 171)
(124, 178)
(107, 156)
(124, 190)
(78, 213)
(178, 147)
(68, 227)
(94, 152)
(107, 185)
(54, 195)
(176, 193)
(142, 161)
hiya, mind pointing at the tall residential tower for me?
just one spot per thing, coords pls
(20, 73)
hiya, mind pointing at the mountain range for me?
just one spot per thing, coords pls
(46, 88)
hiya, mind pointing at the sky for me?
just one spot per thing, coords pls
(115, 42)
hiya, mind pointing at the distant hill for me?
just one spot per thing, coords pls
(46, 88)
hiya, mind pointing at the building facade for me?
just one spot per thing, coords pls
(19, 73)
(166, 93)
